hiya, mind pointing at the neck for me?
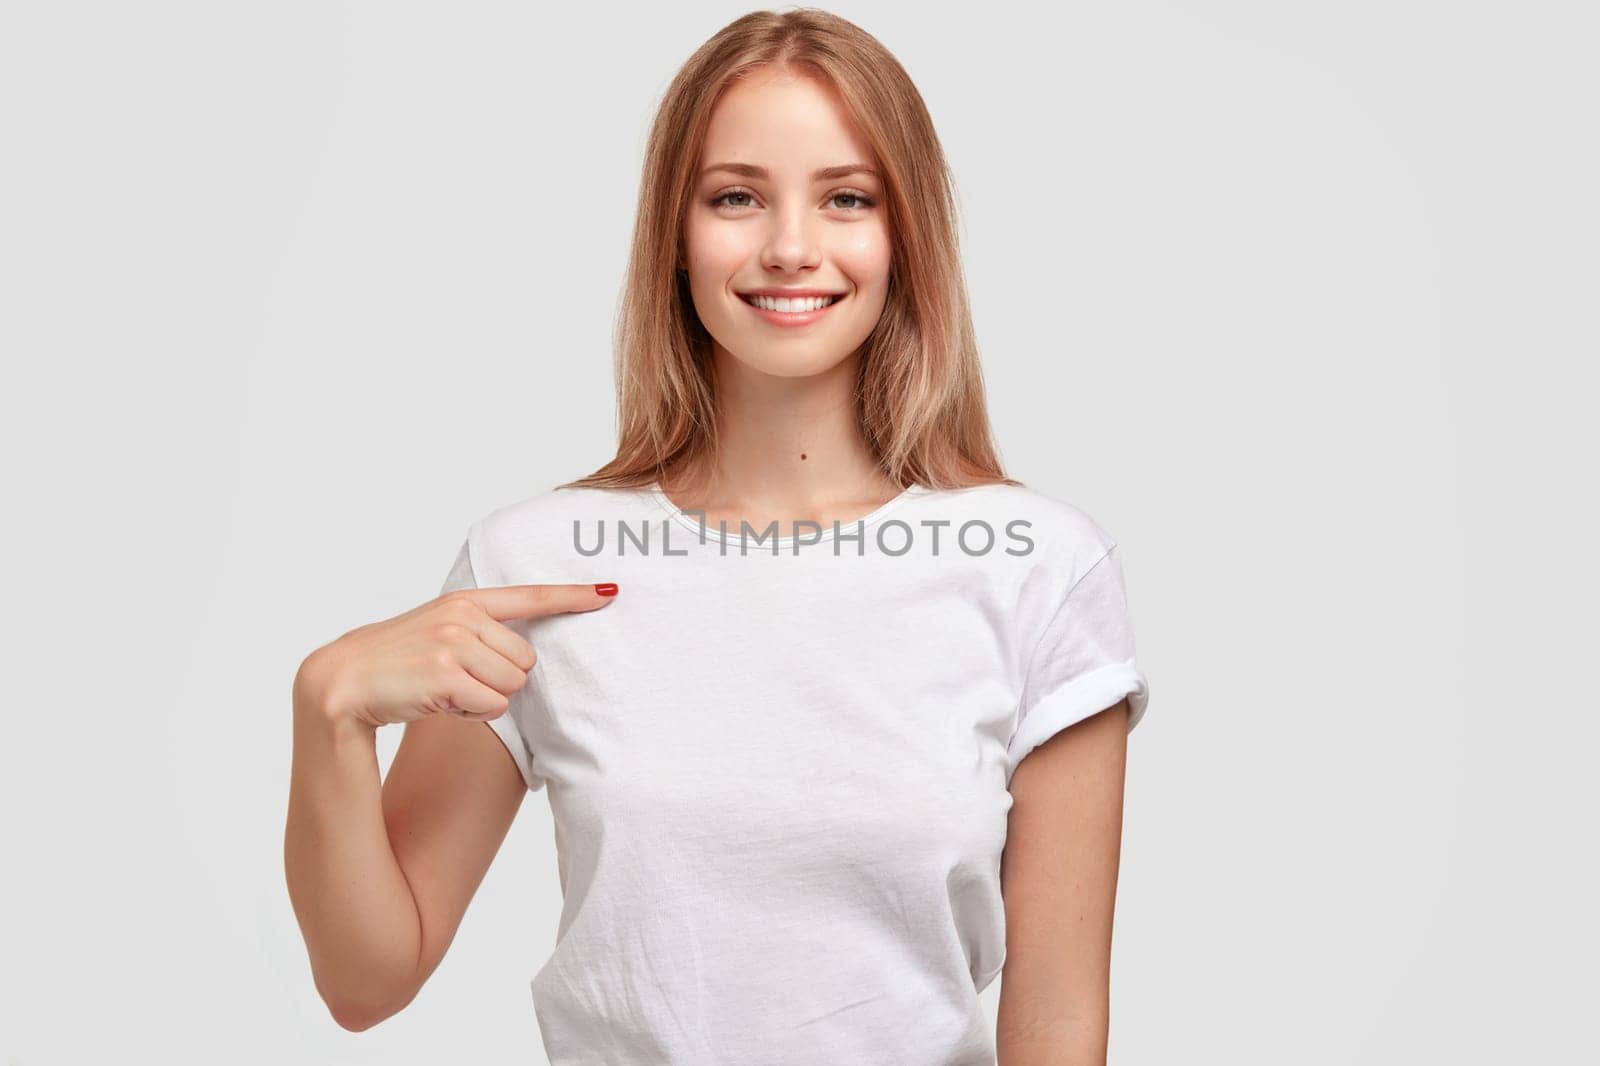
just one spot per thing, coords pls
(786, 445)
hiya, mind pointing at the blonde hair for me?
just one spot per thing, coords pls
(920, 393)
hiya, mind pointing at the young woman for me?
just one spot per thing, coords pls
(841, 730)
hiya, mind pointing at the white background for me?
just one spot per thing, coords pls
(1297, 300)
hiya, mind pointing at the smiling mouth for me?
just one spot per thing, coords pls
(769, 304)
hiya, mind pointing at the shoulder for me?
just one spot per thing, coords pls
(1061, 536)
(543, 521)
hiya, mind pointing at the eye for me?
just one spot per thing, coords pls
(720, 199)
(862, 200)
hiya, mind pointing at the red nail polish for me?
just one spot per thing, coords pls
(606, 588)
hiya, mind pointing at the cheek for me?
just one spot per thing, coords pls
(712, 248)
(866, 257)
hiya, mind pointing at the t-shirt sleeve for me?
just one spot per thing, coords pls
(506, 726)
(1084, 662)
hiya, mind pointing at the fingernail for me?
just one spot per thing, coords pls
(606, 588)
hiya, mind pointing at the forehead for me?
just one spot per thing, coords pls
(784, 121)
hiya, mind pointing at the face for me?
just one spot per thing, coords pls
(786, 227)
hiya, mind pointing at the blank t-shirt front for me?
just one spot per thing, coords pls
(778, 765)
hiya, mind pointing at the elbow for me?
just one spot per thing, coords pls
(354, 1021)
(358, 1017)
(357, 1014)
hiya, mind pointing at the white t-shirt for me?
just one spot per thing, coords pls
(778, 768)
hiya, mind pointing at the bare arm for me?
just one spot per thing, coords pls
(1059, 878)
(448, 801)
(381, 872)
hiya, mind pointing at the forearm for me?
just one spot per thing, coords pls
(355, 908)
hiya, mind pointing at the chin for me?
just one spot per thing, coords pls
(795, 365)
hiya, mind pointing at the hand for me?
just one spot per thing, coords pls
(451, 655)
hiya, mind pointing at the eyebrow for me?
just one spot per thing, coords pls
(750, 170)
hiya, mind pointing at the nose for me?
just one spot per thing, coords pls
(793, 242)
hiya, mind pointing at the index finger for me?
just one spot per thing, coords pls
(534, 601)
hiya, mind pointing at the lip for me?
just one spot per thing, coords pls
(791, 293)
(792, 318)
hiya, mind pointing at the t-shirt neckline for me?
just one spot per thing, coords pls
(690, 520)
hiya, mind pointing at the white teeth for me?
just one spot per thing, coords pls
(805, 303)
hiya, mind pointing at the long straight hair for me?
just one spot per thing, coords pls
(919, 392)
